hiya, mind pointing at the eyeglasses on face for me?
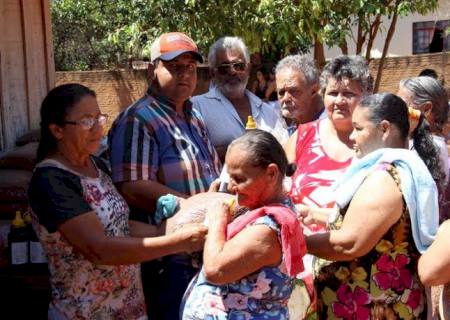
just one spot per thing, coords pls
(89, 123)
(224, 68)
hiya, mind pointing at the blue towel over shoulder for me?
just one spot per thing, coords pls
(417, 185)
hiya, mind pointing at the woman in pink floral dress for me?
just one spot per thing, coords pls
(82, 221)
(388, 215)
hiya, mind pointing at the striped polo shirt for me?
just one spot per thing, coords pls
(150, 141)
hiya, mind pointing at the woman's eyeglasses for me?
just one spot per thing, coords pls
(225, 67)
(89, 123)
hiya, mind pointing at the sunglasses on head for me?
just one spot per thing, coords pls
(225, 67)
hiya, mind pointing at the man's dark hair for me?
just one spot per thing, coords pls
(428, 73)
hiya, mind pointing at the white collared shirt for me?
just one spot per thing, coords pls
(224, 124)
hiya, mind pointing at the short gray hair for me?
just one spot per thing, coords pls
(352, 67)
(300, 63)
(426, 89)
(227, 44)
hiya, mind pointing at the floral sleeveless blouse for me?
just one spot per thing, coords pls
(261, 295)
(81, 289)
(383, 284)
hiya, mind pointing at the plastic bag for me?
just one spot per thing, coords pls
(193, 209)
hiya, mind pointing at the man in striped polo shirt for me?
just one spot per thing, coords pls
(160, 145)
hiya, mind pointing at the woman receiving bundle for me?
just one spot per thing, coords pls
(249, 262)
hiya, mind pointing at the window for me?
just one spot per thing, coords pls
(429, 36)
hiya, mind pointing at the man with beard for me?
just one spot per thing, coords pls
(226, 107)
(159, 146)
(297, 81)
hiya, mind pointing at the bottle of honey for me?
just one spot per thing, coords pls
(36, 251)
(18, 241)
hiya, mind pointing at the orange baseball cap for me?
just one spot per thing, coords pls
(170, 45)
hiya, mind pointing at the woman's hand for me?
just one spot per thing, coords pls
(214, 187)
(305, 214)
(192, 237)
(309, 215)
(180, 201)
(219, 213)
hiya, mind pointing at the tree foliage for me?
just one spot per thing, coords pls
(103, 33)
(80, 32)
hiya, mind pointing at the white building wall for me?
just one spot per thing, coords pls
(402, 41)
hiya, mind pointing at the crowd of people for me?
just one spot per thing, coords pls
(336, 193)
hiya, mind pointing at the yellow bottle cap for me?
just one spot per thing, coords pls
(232, 205)
(27, 217)
(251, 124)
(18, 221)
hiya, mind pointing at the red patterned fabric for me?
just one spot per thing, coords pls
(316, 171)
(292, 241)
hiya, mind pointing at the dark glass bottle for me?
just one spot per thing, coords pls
(18, 241)
(36, 251)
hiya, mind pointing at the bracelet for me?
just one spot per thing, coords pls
(413, 114)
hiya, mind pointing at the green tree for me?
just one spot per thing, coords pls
(79, 35)
(98, 34)
(331, 22)
(103, 33)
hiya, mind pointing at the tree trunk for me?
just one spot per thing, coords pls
(387, 42)
(361, 37)
(344, 47)
(319, 54)
(372, 34)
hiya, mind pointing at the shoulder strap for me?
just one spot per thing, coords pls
(102, 164)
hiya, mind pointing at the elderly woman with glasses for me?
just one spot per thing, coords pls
(82, 221)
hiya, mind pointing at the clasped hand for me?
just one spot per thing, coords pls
(192, 236)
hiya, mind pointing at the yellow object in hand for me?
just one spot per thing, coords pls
(231, 205)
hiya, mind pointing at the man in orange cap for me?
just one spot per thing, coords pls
(158, 146)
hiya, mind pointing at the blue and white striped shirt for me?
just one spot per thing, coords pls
(150, 141)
